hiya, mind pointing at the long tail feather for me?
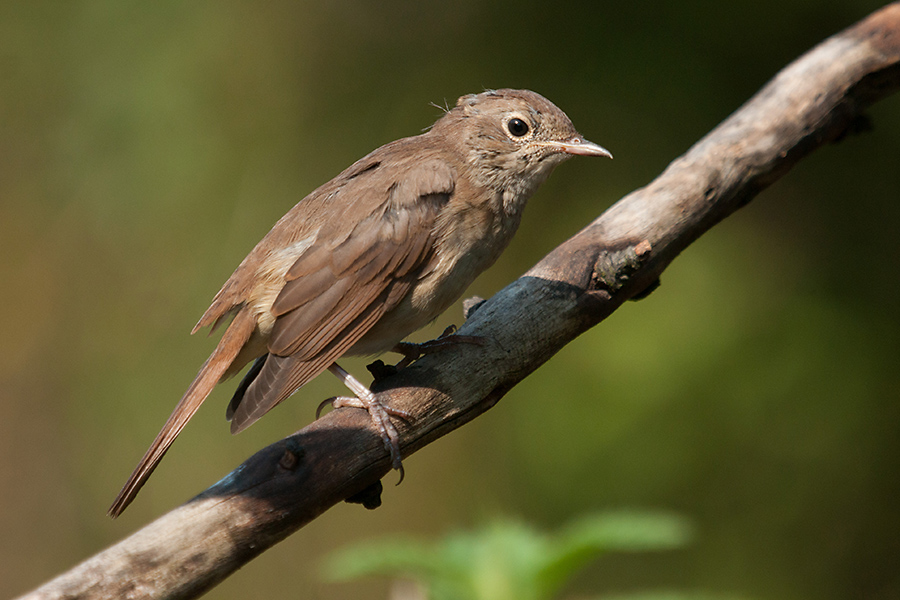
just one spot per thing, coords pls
(231, 343)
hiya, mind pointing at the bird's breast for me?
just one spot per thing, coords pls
(468, 238)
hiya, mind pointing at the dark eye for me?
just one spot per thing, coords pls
(517, 127)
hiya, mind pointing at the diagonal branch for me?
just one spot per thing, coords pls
(817, 99)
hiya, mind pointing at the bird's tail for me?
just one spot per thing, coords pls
(215, 366)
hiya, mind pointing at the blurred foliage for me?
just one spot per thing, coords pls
(507, 560)
(145, 147)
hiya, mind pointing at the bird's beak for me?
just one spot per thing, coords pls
(580, 147)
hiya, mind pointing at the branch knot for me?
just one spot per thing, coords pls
(614, 267)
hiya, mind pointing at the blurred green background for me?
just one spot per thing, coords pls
(146, 147)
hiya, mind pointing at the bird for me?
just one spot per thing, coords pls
(371, 256)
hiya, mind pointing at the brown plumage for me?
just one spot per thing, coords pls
(373, 255)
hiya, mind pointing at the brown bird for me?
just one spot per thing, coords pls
(373, 255)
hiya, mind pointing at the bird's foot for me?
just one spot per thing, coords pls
(380, 414)
(381, 417)
(412, 351)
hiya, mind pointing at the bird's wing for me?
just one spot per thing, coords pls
(351, 276)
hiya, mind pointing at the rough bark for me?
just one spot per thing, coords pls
(817, 99)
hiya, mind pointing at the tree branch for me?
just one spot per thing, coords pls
(817, 99)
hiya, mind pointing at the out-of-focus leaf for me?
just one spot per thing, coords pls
(507, 560)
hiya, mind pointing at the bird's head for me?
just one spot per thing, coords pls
(512, 139)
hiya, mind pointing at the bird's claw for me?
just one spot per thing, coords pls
(380, 414)
(412, 351)
(323, 404)
(381, 417)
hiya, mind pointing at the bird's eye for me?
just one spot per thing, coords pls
(517, 127)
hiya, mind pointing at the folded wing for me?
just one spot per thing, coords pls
(341, 286)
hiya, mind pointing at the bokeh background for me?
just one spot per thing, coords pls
(146, 146)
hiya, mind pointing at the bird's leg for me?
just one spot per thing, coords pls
(381, 414)
(412, 351)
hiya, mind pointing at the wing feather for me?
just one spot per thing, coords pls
(281, 376)
(335, 292)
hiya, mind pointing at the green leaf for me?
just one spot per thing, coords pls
(507, 560)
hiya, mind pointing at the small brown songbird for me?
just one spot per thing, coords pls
(373, 255)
